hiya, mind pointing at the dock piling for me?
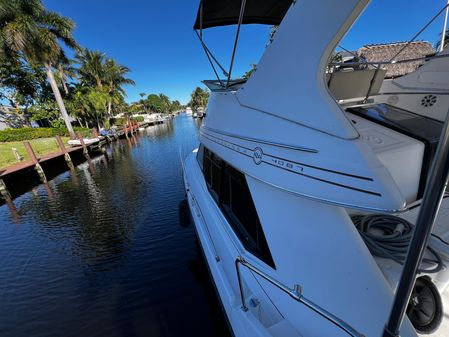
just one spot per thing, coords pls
(85, 150)
(17, 155)
(126, 131)
(66, 154)
(4, 191)
(35, 161)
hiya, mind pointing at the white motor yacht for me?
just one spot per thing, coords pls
(189, 111)
(315, 220)
(200, 111)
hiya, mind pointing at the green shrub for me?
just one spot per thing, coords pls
(118, 121)
(15, 135)
(123, 121)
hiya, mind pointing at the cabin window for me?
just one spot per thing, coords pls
(212, 173)
(230, 190)
(200, 156)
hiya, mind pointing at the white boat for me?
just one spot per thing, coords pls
(200, 111)
(424, 91)
(87, 141)
(189, 111)
(195, 114)
(283, 175)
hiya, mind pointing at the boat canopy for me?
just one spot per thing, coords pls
(214, 13)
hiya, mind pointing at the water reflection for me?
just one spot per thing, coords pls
(101, 251)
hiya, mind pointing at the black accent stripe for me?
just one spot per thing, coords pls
(324, 169)
(327, 181)
(229, 147)
(302, 174)
(302, 164)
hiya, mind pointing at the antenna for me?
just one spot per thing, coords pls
(443, 34)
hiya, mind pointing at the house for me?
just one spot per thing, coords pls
(9, 118)
(389, 51)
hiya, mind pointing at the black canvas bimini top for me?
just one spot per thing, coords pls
(226, 12)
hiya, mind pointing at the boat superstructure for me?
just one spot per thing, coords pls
(283, 172)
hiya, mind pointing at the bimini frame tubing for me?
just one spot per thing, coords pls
(433, 194)
(210, 56)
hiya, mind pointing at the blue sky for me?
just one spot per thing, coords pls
(155, 38)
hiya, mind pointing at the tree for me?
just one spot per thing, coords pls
(20, 83)
(103, 73)
(155, 103)
(199, 98)
(249, 72)
(115, 78)
(29, 31)
(91, 67)
(64, 72)
(446, 41)
(175, 106)
(165, 103)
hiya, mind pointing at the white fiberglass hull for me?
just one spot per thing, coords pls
(270, 311)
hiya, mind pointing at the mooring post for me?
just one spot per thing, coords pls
(35, 161)
(85, 150)
(19, 158)
(64, 151)
(4, 191)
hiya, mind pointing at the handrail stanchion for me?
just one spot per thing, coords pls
(294, 293)
(433, 195)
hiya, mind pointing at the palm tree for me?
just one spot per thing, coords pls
(199, 98)
(65, 71)
(115, 78)
(143, 102)
(446, 41)
(29, 31)
(91, 70)
(165, 101)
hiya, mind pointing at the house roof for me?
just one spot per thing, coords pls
(387, 51)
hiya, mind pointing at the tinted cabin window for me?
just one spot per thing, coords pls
(212, 173)
(200, 156)
(229, 188)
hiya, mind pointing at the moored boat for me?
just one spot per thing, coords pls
(286, 186)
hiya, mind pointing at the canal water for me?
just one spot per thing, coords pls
(108, 250)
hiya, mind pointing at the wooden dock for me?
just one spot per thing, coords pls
(13, 172)
(30, 163)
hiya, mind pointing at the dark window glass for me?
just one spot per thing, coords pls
(200, 156)
(212, 172)
(229, 188)
(207, 167)
(216, 168)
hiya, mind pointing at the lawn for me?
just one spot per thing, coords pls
(40, 146)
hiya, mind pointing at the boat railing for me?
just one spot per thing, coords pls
(296, 294)
(377, 65)
(391, 62)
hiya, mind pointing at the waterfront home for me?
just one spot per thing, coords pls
(9, 118)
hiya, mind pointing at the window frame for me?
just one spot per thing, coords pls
(257, 246)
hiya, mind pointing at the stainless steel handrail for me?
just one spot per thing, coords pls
(294, 293)
(424, 58)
